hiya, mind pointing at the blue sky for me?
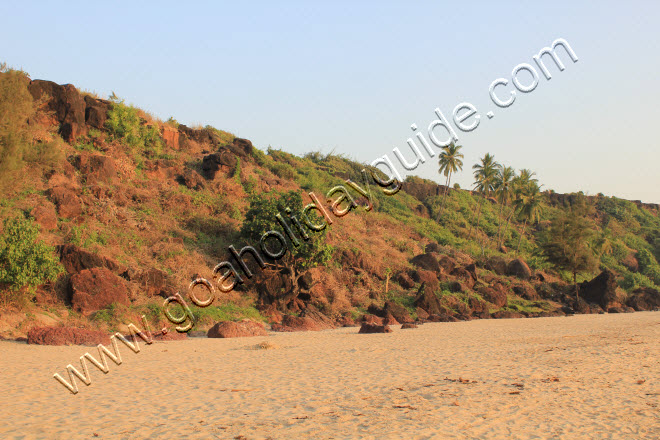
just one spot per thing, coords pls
(353, 77)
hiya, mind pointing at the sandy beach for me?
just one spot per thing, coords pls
(588, 376)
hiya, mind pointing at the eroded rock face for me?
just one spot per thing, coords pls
(96, 112)
(375, 328)
(428, 301)
(273, 286)
(94, 289)
(477, 306)
(430, 279)
(241, 147)
(46, 216)
(465, 276)
(66, 336)
(518, 268)
(97, 168)
(292, 323)
(170, 136)
(346, 321)
(504, 314)
(426, 262)
(321, 321)
(447, 263)
(223, 161)
(66, 104)
(408, 326)
(527, 292)
(497, 265)
(67, 201)
(371, 319)
(390, 320)
(240, 329)
(155, 282)
(495, 295)
(602, 290)
(191, 179)
(644, 298)
(75, 259)
(405, 281)
(398, 312)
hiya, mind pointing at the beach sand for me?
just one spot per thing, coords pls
(587, 376)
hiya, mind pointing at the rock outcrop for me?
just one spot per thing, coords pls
(375, 328)
(602, 290)
(428, 301)
(518, 268)
(240, 329)
(427, 262)
(644, 298)
(66, 336)
(97, 288)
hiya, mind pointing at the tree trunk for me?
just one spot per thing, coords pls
(520, 237)
(478, 210)
(577, 288)
(444, 197)
(506, 227)
(499, 222)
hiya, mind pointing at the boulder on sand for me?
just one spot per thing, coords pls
(66, 336)
(375, 328)
(240, 329)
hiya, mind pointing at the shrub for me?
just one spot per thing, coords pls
(632, 281)
(649, 266)
(18, 139)
(125, 125)
(283, 170)
(24, 261)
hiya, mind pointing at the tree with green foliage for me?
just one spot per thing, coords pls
(125, 124)
(649, 266)
(528, 207)
(504, 192)
(566, 244)
(484, 182)
(261, 217)
(19, 143)
(519, 184)
(450, 162)
(25, 261)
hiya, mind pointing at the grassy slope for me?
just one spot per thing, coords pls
(147, 219)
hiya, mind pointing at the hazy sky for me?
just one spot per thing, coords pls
(353, 78)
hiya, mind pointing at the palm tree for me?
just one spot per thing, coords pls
(503, 191)
(484, 180)
(450, 162)
(529, 207)
(519, 185)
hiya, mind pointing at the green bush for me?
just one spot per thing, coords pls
(24, 261)
(649, 266)
(632, 281)
(283, 170)
(125, 125)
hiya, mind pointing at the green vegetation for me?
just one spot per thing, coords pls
(205, 316)
(125, 124)
(25, 262)
(19, 143)
(566, 244)
(261, 218)
(649, 266)
(450, 162)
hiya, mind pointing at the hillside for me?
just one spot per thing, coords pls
(132, 209)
